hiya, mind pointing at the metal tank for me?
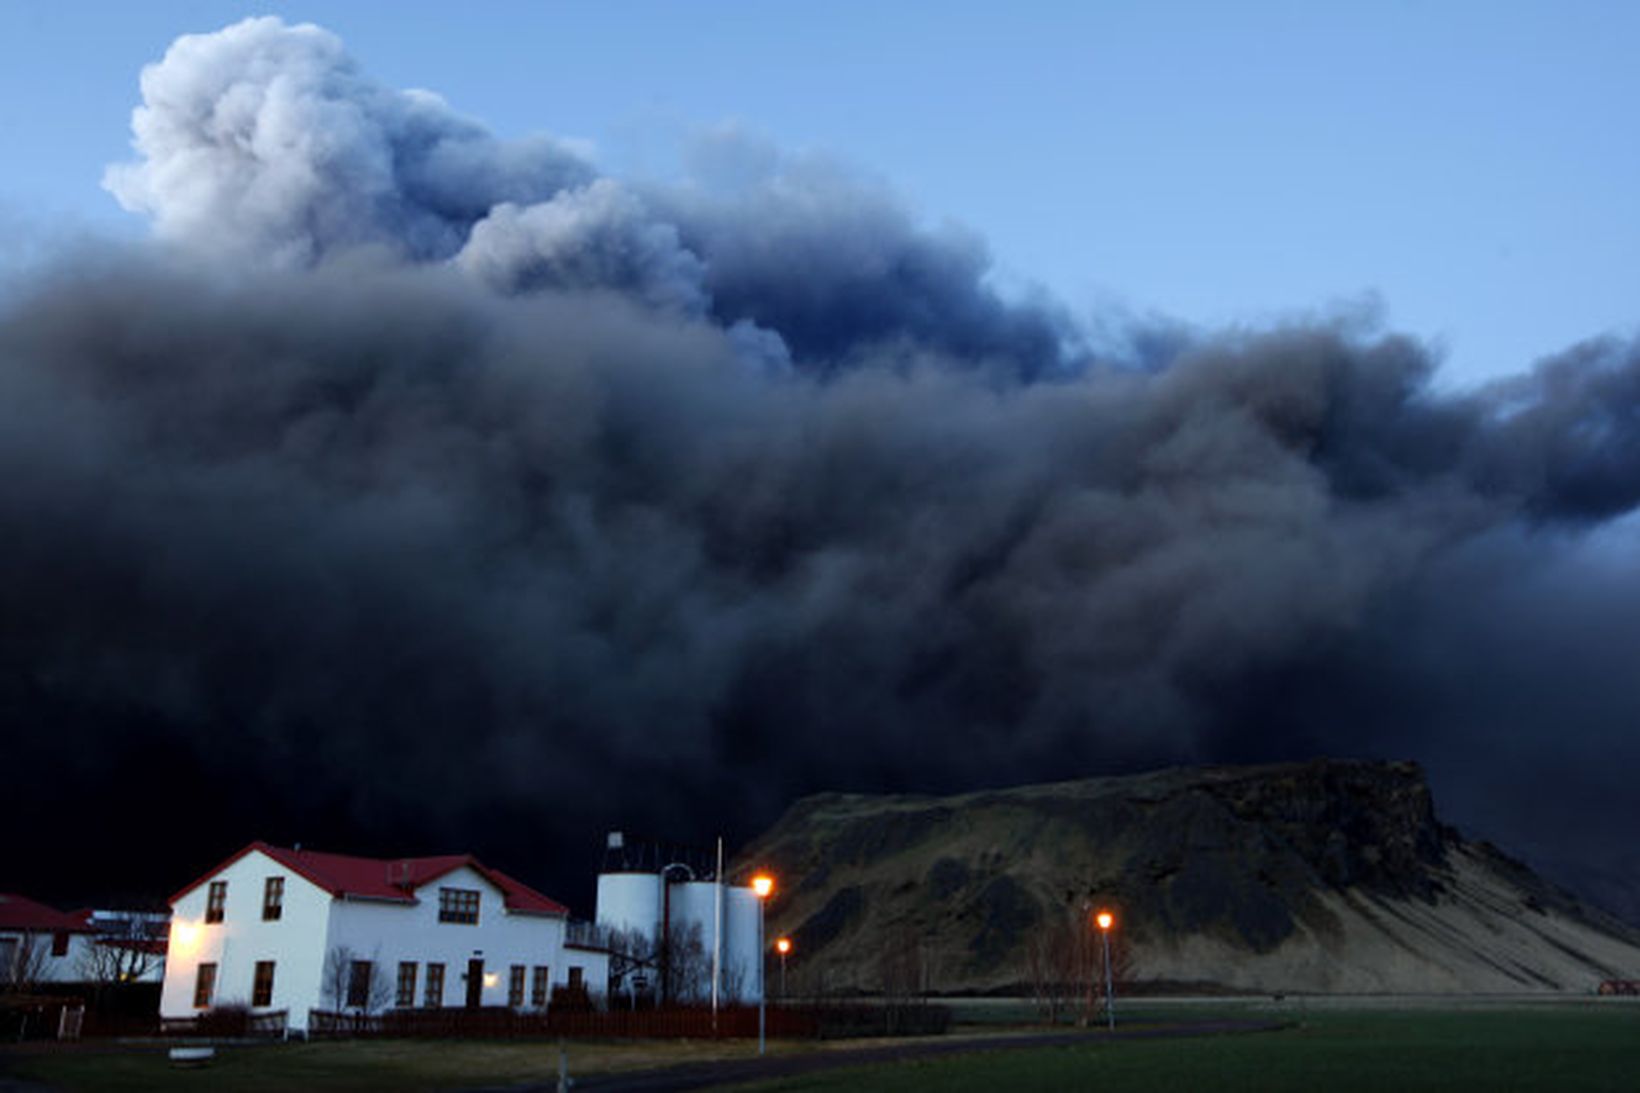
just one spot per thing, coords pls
(630, 901)
(742, 943)
(692, 905)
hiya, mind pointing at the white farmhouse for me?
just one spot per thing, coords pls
(296, 930)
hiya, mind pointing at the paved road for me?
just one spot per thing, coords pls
(734, 1071)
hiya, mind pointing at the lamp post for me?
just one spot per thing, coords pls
(1106, 920)
(762, 886)
(783, 946)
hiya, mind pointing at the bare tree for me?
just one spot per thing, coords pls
(1065, 963)
(632, 955)
(680, 968)
(903, 970)
(688, 965)
(1124, 965)
(334, 982)
(123, 952)
(1062, 960)
(25, 961)
(732, 983)
(351, 983)
(1043, 970)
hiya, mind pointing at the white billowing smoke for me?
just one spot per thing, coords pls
(598, 236)
(264, 142)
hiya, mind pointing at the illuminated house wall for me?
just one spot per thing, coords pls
(387, 912)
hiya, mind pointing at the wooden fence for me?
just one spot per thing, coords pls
(699, 1023)
(40, 1017)
(227, 1022)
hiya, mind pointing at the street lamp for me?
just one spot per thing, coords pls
(783, 946)
(1106, 920)
(762, 887)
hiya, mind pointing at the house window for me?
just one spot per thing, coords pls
(59, 943)
(515, 986)
(216, 900)
(273, 899)
(458, 905)
(204, 985)
(575, 979)
(538, 986)
(262, 985)
(434, 997)
(407, 984)
(358, 984)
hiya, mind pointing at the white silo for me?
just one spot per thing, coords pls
(743, 942)
(630, 901)
(692, 914)
(692, 905)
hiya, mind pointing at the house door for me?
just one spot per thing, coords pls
(475, 984)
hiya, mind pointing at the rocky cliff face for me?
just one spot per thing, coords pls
(1329, 875)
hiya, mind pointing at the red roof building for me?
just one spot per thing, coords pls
(392, 880)
(19, 914)
(291, 932)
(40, 944)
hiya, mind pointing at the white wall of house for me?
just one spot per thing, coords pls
(37, 950)
(295, 942)
(594, 966)
(313, 922)
(388, 933)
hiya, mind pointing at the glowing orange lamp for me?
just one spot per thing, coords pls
(783, 946)
(763, 886)
(1105, 921)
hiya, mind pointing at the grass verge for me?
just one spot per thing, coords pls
(1549, 1048)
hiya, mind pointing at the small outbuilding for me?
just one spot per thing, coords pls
(39, 944)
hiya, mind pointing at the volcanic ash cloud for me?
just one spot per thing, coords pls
(440, 478)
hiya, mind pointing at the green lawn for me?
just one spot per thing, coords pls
(1562, 1047)
(365, 1065)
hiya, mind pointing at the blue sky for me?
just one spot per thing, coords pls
(1469, 167)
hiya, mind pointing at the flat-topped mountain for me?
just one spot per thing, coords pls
(1323, 876)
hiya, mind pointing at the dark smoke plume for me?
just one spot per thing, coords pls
(425, 491)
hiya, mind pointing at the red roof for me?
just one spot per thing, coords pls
(392, 879)
(20, 913)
